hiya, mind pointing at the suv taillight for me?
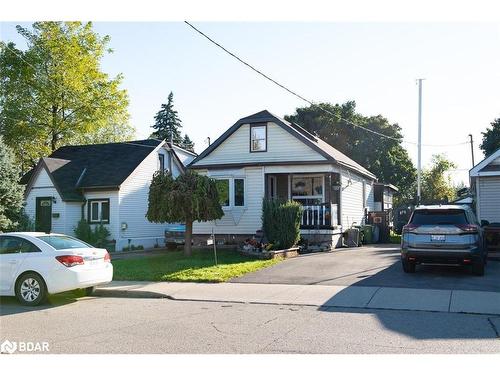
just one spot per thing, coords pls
(468, 228)
(408, 228)
(70, 260)
(107, 257)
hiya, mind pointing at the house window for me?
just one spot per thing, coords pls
(98, 211)
(161, 157)
(231, 191)
(223, 190)
(258, 138)
(308, 189)
(239, 192)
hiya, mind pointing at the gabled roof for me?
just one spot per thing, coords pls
(99, 166)
(389, 186)
(317, 144)
(485, 168)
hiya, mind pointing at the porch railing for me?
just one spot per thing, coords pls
(323, 215)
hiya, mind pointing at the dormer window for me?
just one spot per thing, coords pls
(161, 158)
(258, 138)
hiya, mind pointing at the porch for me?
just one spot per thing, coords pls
(318, 193)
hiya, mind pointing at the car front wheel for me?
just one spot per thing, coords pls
(31, 289)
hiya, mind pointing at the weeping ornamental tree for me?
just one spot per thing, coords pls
(188, 198)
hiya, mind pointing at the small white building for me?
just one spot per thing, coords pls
(485, 184)
(103, 183)
(264, 156)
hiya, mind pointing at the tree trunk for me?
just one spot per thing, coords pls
(53, 141)
(188, 238)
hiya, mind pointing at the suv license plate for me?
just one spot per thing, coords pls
(438, 237)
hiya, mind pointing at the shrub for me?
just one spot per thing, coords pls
(281, 222)
(97, 237)
(23, 222)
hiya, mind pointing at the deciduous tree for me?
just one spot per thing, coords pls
(386, 158)
(491, 138)
(11, 193)
(436, 185)
(54, 93)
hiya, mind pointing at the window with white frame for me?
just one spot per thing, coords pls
(98, 211)
(258, 138)
(223, 190)
(308, 189)
(231, 191)
(239, 192)
(161, 159)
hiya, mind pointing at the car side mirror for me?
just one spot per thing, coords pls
(484, 223)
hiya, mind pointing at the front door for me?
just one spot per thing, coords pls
(43, 214)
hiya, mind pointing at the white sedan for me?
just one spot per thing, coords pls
(33, 265)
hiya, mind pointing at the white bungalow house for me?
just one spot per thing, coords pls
(485, 185)
(264, 156)
(103, 183)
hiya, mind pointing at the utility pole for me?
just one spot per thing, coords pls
(419, 160)
(472, 149)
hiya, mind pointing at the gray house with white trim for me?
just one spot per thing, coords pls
(103, 183)
(264, 156)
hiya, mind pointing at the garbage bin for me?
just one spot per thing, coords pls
(352, 235)
(367, 233)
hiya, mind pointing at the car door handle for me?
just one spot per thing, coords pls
(12, 261)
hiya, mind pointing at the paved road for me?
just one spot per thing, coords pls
(150, 325)
(372, 266)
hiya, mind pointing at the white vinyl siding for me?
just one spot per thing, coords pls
(351, 199)
(112, 195)
(489, 198)
(239, 219)
(73, 214)
(43, 187)
(281, 146)
(133, 205)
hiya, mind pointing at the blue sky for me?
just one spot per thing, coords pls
(375, 64)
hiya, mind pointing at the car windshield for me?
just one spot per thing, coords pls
(439, 217)
(63, 242)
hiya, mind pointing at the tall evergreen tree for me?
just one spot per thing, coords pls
(167, 123)
(491, 138)
(11, 193)
(187, 143)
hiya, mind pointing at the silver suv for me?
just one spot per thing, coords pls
(443, 235)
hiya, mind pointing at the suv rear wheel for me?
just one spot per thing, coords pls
(408, 266)
(478, 267)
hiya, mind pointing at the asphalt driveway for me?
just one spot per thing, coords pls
(375, 265)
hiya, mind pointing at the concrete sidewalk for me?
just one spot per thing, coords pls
(456, 301)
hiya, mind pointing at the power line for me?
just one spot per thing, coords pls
(301, 97)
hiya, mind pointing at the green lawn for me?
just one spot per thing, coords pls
(199, 267)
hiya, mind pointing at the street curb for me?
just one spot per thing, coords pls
(394, 303)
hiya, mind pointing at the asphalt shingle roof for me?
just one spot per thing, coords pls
(95, 166)
(316, 143)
